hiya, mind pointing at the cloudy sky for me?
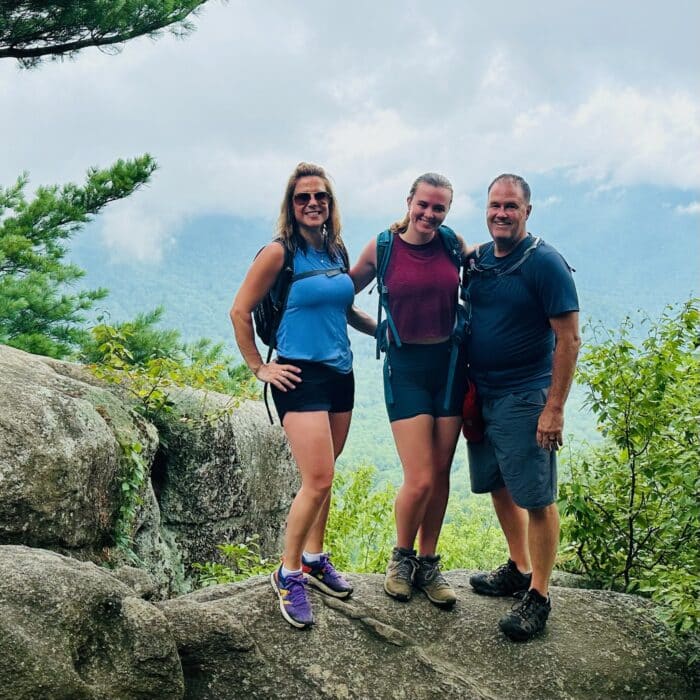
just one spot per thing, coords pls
(606, 95)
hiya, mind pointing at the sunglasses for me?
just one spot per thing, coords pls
(305, 197)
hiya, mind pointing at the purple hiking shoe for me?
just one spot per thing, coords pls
(322, 575)
(293, 598)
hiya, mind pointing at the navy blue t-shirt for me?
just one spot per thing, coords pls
(511, 342)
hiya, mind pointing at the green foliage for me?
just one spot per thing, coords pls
(360, 531)
(150, 363)
(131, 481)
(471, 537)
(33, 29)
(632, 507)
(241, 562)
(38, 313)
(142, 338)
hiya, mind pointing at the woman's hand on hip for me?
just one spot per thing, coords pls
(282, 377)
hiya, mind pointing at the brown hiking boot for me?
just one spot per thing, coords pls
(429, 579)
(399, 573)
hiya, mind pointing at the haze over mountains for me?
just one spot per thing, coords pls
(637, 248)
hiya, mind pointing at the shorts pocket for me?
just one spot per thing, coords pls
(536, 398)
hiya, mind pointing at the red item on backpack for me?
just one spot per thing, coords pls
(473, 425)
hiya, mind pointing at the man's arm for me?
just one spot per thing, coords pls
(550, 426)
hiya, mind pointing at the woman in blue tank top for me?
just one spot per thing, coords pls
(311, 379)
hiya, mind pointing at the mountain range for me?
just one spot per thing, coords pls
(633, 249)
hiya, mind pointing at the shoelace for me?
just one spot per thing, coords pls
(497, 573)
(327, 568)
(435, 575)
(296, 587)
(523, 606)
(407, 567)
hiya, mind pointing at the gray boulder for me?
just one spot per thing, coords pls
(233, 643)
(217, 473)
(221, 475)
(69, 629)
(60, 455)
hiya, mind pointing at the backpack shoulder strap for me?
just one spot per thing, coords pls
(278, 293)
(385, 241)
(536, 242)
(346, 258)
(280, 289)
(452, 245)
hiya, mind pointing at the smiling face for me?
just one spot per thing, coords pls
(506, 215)
(311, 214)
(427, 209)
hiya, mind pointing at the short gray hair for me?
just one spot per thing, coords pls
(515, 180)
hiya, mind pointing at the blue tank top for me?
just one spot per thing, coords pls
(314, 325)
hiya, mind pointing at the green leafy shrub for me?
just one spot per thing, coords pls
(241, 562)
(132, 478)
(360, 531)
(149, 361)
(471, 537)
(632, 508)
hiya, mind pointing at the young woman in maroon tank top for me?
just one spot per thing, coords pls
(423, 284)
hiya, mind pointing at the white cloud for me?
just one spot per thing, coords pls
(376, 92)
(691, 209)
(547, 202)
(369, 136)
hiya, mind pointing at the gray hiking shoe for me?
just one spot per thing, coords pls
(506, 580)
(399, 573)
(429, 579)
(527, 617)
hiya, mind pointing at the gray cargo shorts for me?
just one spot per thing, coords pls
(509, 454)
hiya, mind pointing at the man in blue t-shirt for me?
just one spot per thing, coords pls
(522, 354)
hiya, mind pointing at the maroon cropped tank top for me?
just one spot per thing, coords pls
(422, 283)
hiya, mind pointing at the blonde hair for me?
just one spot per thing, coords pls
(287, 227)
(433, 179)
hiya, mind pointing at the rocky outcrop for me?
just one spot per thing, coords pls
(69, 629)
(214, 475)
(223, 479)
(60, 455)
(233, 643)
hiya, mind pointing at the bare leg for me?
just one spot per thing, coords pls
(445, 434)
(340, 424)
(514, 523)
(310, 438)
(413, 438)
(544, 540)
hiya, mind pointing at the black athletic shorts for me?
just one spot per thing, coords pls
(415, 381)
(321, 389)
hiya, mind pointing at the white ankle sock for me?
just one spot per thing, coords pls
(311, 556)
(288, 572)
